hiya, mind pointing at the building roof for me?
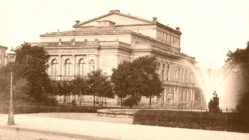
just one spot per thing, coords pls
(112, 12)
(3, 47)
(117, 12)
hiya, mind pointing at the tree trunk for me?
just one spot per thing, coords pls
(121, 102)
(102, 100)
(60, 98)
(64, 98)
(80, 97)
(150, 101)
(105, 101)
(94, 99)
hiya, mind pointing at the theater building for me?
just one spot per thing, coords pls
(2, 55)
(108, 40)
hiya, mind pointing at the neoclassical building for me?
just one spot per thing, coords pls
(2, 55)
(108, 40)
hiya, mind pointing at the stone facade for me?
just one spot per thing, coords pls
(106, 41)
(2, 55)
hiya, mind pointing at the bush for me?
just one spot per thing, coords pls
(213, 104)
(188, 119)
(131, 101)
(19, 109)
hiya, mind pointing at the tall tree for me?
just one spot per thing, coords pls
(4, 83)
(21, 87)
(80, 87)
(99, 85)
(137, 78)
(31, 64)
(149, 82)
(107, 91)
(121, 79)
(240, 60)
(66, 89)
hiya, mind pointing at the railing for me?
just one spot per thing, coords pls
(178, 83)
(62, 78)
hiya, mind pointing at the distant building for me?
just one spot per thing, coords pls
(2, 55)
(108, 40)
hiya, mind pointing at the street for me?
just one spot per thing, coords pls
(12, 134)
(53, 128)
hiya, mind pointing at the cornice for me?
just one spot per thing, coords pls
(3, 47)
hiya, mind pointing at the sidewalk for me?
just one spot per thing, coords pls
(106, 130)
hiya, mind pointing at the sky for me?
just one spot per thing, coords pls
(210, 27)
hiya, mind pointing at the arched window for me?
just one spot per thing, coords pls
(54, 67)
(81, 67)
(67, 67)
(167, 72)
(176, 74)
(163, 72)
(91, 65)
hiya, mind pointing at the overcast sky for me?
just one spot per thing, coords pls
(210, 27)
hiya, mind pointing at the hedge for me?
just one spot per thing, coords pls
(189, 119)
(19, 109)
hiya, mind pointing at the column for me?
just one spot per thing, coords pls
(60, 67)
(165, 95)
(193, 95)
(184, 95)
(87, 63)
(73, 66)
(175, 95)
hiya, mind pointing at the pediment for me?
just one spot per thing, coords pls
(116, 18)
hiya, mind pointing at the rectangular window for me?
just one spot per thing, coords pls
(168, 38)
(178, 42)
(171, 40)
(160, 35)
(176, 75)
(166, 76)
(164, 36)
(163, 75)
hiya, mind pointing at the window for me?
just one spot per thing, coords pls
(176, 74)
(167, 73)
(177, 42)
(181, 95)
(54, 67)
(163, 72)
(160, 35)
(81, 66)
(168, 38)
(67, 67)
(91, 65)
(171, 40)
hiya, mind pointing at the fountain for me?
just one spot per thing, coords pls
(224, 82)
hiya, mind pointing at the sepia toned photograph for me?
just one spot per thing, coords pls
(124, 70)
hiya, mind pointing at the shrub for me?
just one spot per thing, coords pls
(188, 119)
(131, 101)
(19, 109)
(213, 104)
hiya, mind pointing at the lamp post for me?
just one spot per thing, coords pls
(11, 60)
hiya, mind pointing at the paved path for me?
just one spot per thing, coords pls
(12, 134)
(98, 130)
(87, 117)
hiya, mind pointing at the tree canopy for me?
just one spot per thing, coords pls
(137, 78)
(31, 64)
(240, 60)
(4, 83)
(99, 85)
